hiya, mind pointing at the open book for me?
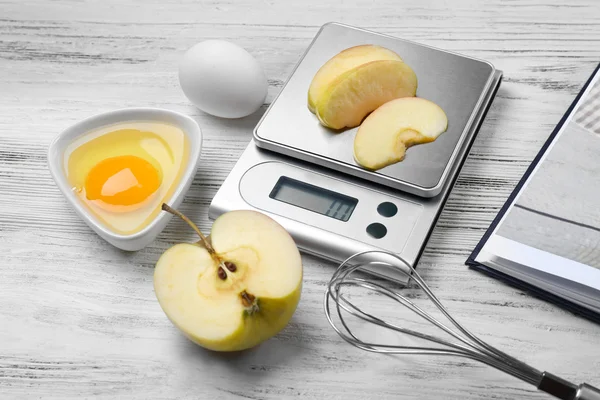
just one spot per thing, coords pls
(547, 236)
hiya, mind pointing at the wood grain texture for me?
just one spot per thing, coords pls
(567, 183)
(79, 319)
(560, 237)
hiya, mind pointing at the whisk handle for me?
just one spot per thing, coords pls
(566, 390)
(587, 392)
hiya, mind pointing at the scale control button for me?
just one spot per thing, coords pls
(387, 209)
(377, 230)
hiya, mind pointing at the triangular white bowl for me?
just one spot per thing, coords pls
(144, 237)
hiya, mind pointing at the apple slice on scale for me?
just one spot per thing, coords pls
(357, 92)
(343, 62)
(235, 290)
(387, 132)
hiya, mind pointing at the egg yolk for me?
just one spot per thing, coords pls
(122, 180)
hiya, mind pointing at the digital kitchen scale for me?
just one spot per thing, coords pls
(304, 175)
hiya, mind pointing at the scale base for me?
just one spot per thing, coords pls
(252, 180)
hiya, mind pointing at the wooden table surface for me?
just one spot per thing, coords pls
(79, 319)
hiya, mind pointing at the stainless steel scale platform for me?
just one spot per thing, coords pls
(305, 177)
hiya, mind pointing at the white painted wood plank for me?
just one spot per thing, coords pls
(79, 319)
(575, 242)
(567, 183)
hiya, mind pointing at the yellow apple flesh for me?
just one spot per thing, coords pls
(343, 62)
(357, 92)
(384, 136)
(252, 303)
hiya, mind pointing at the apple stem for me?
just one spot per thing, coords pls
(205, 242)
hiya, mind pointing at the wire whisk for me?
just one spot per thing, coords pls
(465, 345)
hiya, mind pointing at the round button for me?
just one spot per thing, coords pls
(387, 209)
(377, 230)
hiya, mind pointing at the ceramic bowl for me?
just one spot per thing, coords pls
(141, 239)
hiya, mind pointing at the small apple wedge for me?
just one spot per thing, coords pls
(384, 136)
(353, 95)
(236, 290)
(343, 62)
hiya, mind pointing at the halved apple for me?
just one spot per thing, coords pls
(235, 291)
(354, 94)
(384, 136)
(343, 62)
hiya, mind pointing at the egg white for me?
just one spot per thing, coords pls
(163, 145)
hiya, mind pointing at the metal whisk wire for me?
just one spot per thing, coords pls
(467, 345)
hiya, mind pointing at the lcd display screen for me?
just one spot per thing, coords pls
(314, 198)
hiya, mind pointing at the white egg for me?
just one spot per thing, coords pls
(222, 79)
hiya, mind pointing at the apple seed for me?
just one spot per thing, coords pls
(230, 266)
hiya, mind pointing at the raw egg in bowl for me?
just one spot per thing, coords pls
(117, 168)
